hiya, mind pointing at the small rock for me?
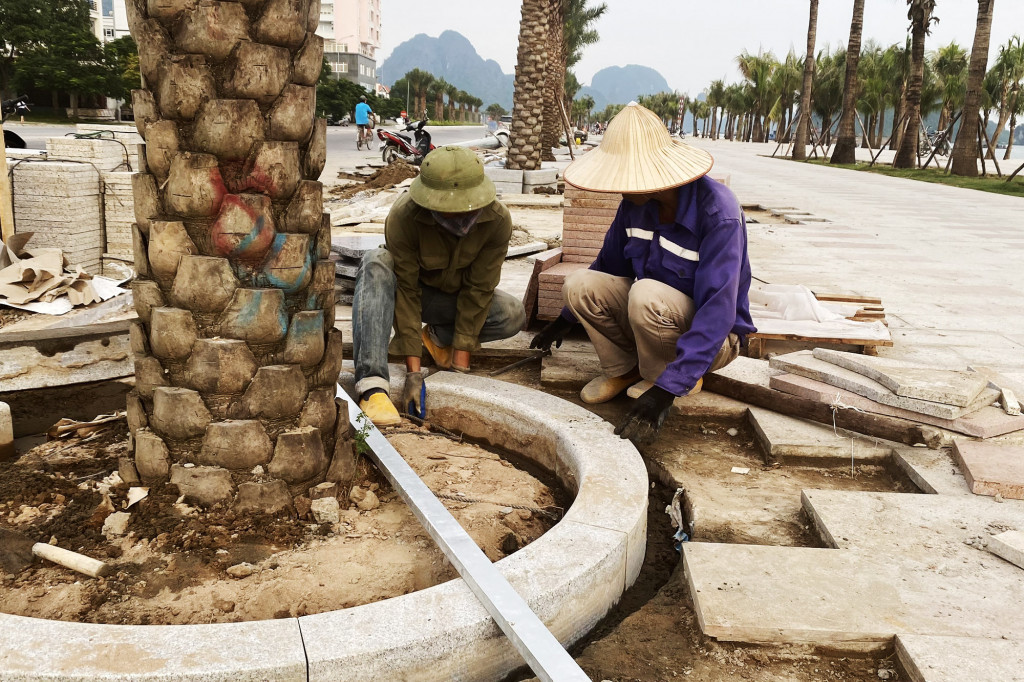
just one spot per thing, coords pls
(364, 499)
(524, 514)
(104, 509)
(884, 674)
(59, 499)
(188, 465)
(326, 510)
(257, 470)
(325, 489)
(224, 605)
(998, 497)
(241, 570)
(116, 524)
(733, 432)
(302, 506)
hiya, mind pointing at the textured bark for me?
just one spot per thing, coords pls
(965, 149)
(906, 156)
(803, 126)
(846, 141)
(552, 123)
(236, 315)
(530, 86)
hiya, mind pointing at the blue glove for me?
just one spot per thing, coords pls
(414, 395)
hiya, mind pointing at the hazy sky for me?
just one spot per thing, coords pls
(691, 42)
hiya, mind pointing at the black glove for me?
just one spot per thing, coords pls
(648, 414)
(551, 334)
(414, 397)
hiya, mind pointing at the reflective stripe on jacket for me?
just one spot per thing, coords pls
(702, 254)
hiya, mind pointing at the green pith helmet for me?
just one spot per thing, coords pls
(452, 180)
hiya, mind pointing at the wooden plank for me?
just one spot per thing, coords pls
(83, 331)
(848, 298)
(822, 339)
(880, 426)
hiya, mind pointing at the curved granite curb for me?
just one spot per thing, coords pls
(571, 576)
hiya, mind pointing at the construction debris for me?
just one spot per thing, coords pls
(41, 280)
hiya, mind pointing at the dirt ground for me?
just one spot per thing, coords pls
(177, 564)
(652, 635)
(386, 177)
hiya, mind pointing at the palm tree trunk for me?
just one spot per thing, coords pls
(551, 126)
(804, 124)
(236, 354)
(846, 144)
(906, 156)
(1009, 143)
(965, 149)
(530, 87)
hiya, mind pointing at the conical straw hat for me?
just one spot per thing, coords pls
(638, 155)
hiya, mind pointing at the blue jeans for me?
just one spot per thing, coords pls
(373, 316)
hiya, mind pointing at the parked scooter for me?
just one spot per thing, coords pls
(18, 105)
(399, 146)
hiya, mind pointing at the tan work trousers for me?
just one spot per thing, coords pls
(635, 323)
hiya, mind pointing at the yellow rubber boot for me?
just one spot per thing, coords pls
(442, 354)
(603, 388)
(637, 390)
(381, 411)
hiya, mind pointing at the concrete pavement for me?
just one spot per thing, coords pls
(945, 261)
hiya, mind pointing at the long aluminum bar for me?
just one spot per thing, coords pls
(531, 638)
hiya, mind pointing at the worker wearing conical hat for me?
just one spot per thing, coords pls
(666, 300)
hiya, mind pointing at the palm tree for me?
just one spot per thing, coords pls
(874, 91)
(828, 89)
(1010, 69)
(530, 88)
(846, 143)
(419, 81)
(555, 81)
(803, 126)
(436, 91)
(920, 15)
(236, 355)
(785, 82)
(896, 60)
(950, 66)
(715, 97)
(965, 149)
(757, 70)
(454, 97)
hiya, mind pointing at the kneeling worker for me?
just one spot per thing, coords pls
(666, 300)
(445, 241)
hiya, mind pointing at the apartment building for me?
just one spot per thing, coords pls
(351, 33)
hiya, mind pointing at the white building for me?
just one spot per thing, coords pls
(351, 33)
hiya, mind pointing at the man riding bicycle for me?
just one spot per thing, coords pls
(363, 112)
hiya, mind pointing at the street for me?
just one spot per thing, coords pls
(341, 141)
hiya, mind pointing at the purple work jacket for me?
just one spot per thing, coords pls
(702, 254)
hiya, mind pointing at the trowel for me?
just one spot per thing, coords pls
(18, 551)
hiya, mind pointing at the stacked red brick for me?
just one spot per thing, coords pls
(585, 220)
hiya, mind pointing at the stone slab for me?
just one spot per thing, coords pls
(991, 468)
(984, 423)
(901, 566)
(345, 269)
(932, 471)
(805, 364)
(503, 188)
(947, 386)
(955, 659)
(34, 649)
(6, 432)
(533, 200)
(526, 249)
(354, 246)
(86, 359)
(569, 370)
(1008, 545)
(798, 441)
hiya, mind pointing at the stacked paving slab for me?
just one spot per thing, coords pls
(60, 203)
(118, 217)
(586, 217)
(236, 354)
(347, 252)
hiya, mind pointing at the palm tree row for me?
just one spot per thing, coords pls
(767, 99)
(436, 98)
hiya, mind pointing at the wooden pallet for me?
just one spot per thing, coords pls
(870, 310)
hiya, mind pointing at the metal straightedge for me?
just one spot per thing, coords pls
(531, 638)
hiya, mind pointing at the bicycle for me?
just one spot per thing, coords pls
(365, 134)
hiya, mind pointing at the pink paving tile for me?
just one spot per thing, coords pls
(991, 469)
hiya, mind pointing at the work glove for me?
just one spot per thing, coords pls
(414, 395)
(552, 334)
(644, 420)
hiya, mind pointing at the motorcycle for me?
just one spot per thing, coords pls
(395, 145)
(18, 105)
